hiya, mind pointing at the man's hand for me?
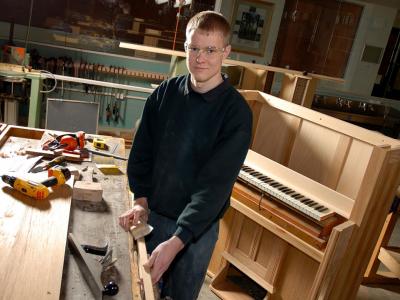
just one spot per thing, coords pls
(161, 258)
(139, 212)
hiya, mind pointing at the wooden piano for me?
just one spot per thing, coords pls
(308, 206)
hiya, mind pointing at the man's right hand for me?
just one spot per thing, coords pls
(139, 212)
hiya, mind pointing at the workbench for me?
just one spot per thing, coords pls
(33, 233)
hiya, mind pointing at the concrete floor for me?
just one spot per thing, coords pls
(381, 292)
(377, 292)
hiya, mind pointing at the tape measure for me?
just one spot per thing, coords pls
(99, 143)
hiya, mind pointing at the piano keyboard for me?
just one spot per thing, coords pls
(288, 196)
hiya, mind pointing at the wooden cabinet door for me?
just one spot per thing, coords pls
(317, 36)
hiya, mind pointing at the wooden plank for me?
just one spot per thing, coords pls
(275, 134)
(295, 277)
(226, 61)
(33, 233)
(223, 239)
(373, 138)
(145, 273)
(248, 271)
(134, 266)
(334, 253)
(294, 223)
(310, 91)
(329, 155)
(97, 224)
(383, 240)
(271, 226)
(26, 272)
(135, 286)
(373, 202)
(391, 260)
(247, 249)
(32, 244)
(224, 288)
(141, 276)
(253, 79)
(294, 88)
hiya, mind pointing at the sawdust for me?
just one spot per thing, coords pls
(9, 214)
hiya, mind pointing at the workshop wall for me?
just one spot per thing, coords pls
(360, 76)
(47, 47)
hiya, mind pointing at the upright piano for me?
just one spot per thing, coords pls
(308, 206)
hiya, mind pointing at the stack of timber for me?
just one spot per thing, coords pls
(291, 251)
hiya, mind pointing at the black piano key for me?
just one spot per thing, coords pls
(322, 209)
(312, 203)
(259, 176)
(254, 173)
(247, 169)
(290, 192)
(305, 201)
(269, 180)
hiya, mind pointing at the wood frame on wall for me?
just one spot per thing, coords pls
(245, 37)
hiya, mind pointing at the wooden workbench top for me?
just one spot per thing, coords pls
(35, 260)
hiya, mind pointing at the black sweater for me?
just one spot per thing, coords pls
(188, 151)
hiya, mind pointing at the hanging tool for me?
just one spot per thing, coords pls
(108, 113)
(92, 270)
(39, 190)
(56, 161)
(68, 141)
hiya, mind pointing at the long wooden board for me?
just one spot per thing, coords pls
(32, 235)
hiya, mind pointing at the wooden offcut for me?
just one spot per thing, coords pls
(391, 260)
(142, 287)
(87, 190)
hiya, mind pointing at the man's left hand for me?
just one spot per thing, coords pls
(162, 256)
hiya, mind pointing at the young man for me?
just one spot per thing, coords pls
(188, 150)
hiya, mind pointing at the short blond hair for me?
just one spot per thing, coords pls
(210, 21)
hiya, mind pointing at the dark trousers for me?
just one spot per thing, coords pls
(185, 275)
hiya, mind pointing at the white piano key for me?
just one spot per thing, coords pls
(279, 191)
